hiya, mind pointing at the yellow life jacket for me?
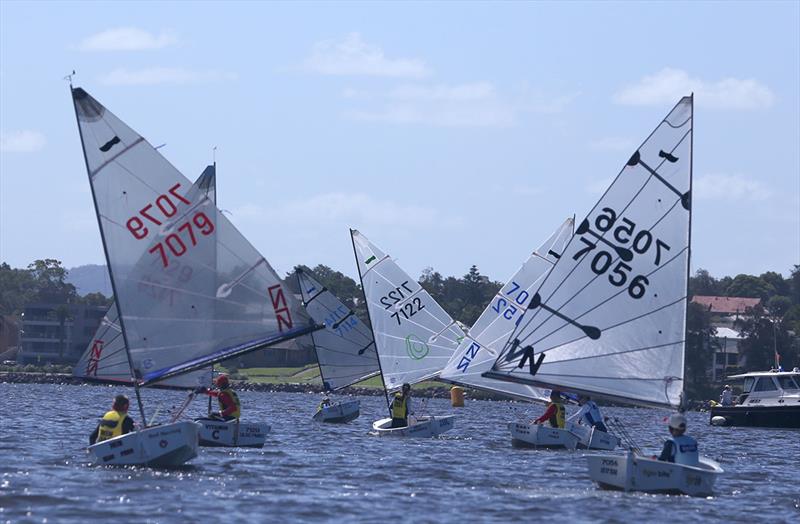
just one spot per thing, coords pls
(559, 420)
(399, 406)
(111, 425)
(238, 412)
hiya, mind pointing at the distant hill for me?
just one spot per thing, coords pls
(91, 278)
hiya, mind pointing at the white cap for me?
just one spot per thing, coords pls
(677, 421)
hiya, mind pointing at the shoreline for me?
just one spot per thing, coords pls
(66, 379)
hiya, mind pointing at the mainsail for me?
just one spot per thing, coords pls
(345, 348)
(476, 353)
(190, 289)
(414, 336)
(610, 318)
(105, 358)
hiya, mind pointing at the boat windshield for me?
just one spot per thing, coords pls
(748, 385)
(787, 383)
(765, 384)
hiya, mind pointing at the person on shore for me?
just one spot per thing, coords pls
(401, 407)
(555, 413)
(229, 405)
(680, 448)
(589, 414)
(726, 398)
(114, 423)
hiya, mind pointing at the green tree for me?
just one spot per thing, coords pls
(702, 283)
(780, 285)
(762, 336)
(17, 289)
(50, 283)
(96, 299)
(700, 347)
(750, 286)
(794, 285)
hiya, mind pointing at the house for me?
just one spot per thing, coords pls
(727, 358)
(725, 310)
(57, 333)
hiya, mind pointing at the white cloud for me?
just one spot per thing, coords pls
(669, 85)
(164, 75)
(126, 39)
(729, 187)
(354, 56)
(612, 143)
(24, 141)
(476, 104)
(350, 208)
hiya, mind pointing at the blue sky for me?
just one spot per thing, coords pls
(450, 134)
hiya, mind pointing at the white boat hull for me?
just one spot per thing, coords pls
(636, 473)
(589, 438)
(422, 427)
(168, 445)
(339, 413)
(524, 435)
(232, 434)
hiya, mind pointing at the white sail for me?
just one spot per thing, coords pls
(345, 348)
(610, 317)
(414, 336)
(190, 289)
(477, 353)
(105, 358)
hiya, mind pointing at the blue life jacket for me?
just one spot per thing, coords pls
(684, 449)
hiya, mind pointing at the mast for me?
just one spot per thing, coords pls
(361, 281)
(214, 188)
(108, 261)
(683, 401)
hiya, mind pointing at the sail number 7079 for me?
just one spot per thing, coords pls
(163, 208)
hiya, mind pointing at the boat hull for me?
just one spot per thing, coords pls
(524, 435)
(232, 434)
(168, 445)
(758, 416)
(339, 413)
(632, 472)
(422, 427)
(589, 438)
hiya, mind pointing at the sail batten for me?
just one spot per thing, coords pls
(616, 296)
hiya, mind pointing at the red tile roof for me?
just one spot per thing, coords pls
(726, 305)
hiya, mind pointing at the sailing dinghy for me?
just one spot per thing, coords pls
(477, 352)
(345, 349)
(414, 337)
(609, 320)
(190, 290)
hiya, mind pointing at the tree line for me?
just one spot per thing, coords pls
(774, 323)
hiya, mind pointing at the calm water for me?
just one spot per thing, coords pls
(310, 472)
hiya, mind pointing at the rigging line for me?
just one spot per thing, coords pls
(591, 281)
(636, 350)
(643, 379)
(577, 265)
(665, 306)
(340, 352)
(307, 302)
(455, 344)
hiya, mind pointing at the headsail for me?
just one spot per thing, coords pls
(476, 354)
(190, 289)
(345, 348)
(105, 358)
(414, 336)
(610, 317)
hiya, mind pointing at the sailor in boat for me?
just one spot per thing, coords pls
(555, 413)
(589, 414)
(726, 398)
(229, 406)
(326, 402)
(114, 423)
(680, 448)
(401, 407)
